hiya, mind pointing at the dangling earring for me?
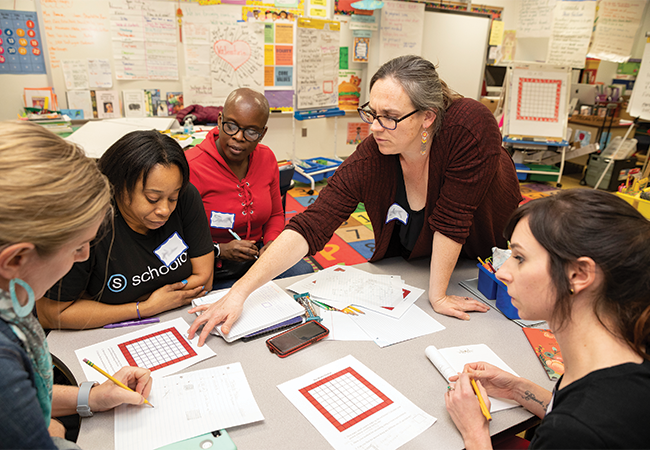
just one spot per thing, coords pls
(423, 148)
(571, 291)
(21, 311)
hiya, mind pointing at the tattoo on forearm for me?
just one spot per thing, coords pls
(530, 396)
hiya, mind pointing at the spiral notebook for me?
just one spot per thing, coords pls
(267, 306)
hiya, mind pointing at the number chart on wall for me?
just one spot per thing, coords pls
(21, 46)
(537, 102)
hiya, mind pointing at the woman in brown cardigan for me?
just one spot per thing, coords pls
(433, 177)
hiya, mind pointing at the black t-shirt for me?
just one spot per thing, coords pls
(606, 409)
(408, 232)
(134, 269)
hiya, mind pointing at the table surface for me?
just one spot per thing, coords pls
(403, 365)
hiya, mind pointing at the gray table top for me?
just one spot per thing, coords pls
(403, 365)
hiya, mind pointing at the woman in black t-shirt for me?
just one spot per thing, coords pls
(158, 255)
(580, 262)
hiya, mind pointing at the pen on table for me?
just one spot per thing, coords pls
(481, 402)
(113, 379)
(236, 236)
(130, 323)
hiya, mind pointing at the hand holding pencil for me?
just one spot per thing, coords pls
(469, 409)
(130, 385)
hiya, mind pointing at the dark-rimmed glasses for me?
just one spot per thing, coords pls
(387, 122)
(250, 134)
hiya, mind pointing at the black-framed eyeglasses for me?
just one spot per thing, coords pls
(387, 122)
(231, 129)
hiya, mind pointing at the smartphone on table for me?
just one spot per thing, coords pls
(297, 338)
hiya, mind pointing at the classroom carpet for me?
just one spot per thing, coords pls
(353, 242)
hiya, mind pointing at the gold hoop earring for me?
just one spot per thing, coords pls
(425, 138)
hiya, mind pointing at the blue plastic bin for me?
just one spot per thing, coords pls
(521, 176)
(487, 283)
(314, 165)
(504, 302)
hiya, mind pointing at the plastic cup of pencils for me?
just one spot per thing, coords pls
(504, 302)
(487, 283)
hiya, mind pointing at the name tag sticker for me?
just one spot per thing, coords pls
(171, 249)
(396, 212)
(222, 220)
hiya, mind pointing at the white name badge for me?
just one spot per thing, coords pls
(396, 212)
(222, 220)
(171, 249)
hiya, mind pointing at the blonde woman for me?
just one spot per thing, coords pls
(54, 200)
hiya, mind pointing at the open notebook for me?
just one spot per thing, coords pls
(265, 307)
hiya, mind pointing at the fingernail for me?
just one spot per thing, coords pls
(184, 281)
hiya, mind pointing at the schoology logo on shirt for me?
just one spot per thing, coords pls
(117, 282)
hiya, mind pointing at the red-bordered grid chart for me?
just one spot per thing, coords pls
(157, 350)
(345, 398)
(538, 99)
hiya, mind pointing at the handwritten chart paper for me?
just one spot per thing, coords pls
(352, 407)
(187, 405)
(144, 40)
(402, 24)
(237, 56)
(162, 348)
(535, 18)
(572, 26)
(317, 61)
(616, 27)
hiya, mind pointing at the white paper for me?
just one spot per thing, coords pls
(387, 331)
(198, 91)
(187, 405)
(573, 23)
(81, 100)
(639, 105)
(615, 29)
(457, 357)
(99, 73)
(109, 356)
(342, 286)
(391, 419)
(535, 18)
(237, 59)
(402, 26)
(75, 73)
(266, 306)
(342, 327)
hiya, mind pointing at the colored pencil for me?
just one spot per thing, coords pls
(113, 379)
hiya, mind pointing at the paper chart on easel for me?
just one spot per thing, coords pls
(538, 102)
(162, 348)
(353, 408)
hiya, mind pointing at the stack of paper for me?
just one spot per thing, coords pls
(265, 307)
(389, 315)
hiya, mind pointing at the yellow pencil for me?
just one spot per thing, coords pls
(484, 410)
(114, 380)
(349, 311)
(355, 309)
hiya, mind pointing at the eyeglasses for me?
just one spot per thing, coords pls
(387, 122)
(250, 134)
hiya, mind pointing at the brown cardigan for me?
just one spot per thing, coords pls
(472, 189)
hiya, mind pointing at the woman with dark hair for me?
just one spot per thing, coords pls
(580, 262)
(433, 177)
(158, 254)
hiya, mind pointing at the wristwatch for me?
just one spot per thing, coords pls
(218, 249)
(83, 409)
